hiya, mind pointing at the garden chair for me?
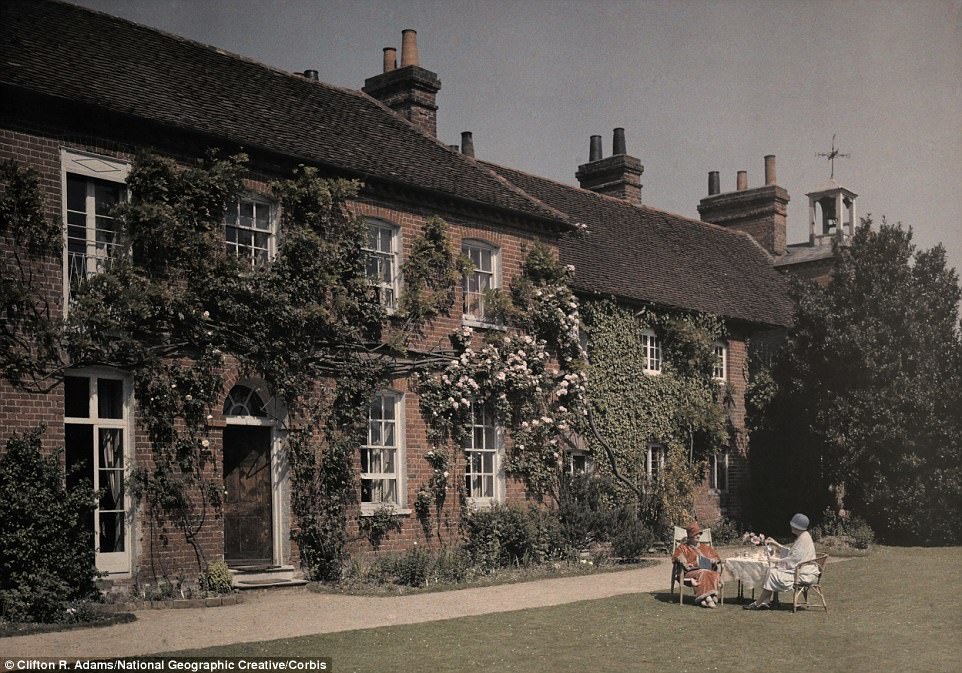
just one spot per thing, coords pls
(678, 570)
(802, 588)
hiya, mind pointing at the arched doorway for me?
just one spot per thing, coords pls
(250, 487)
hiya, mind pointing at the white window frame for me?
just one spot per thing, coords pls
(494, 274)
(574, 456)
(718, 465)
(720, 367)
(368, 508)
(486, 422)
(655, 462)
(651, 350)
(92, 167)
(388, 293)
(110, 562)
(234, 248)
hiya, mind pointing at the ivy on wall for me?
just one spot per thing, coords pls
(631, 409)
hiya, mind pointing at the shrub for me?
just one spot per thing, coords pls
(217, 579)
(503, 536)
(585, 510)
(46, 540)
(852, 527)
(724, 531)
(633, 537)
(412, 568)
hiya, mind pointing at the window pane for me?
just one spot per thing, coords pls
(112, 489)
(231, 215)
(76, 396)
(76, 193)
(389, 434)
(263, 217)
(374, 433)
(247, 214)
(78, 454)
(111, 532)
(367, 490)
(106, 196)
(110, 398)
(111, 448)
(365, 460)
(387, 466)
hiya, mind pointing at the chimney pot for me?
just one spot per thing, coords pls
(311, 75)
(618, 142)
(409, 48)
(741, 183)
(390, 59)
(770, 169)
(467, 144)
(714, 183)
(594, 149)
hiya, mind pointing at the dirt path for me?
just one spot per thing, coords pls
(270, 615)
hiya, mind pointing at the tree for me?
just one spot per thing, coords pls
(866, 413)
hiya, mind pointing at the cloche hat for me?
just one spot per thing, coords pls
(799, 522)
(693, 530)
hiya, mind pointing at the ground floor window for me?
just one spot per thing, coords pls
(482, 447)
(381, 455)
(718, 471)
(655, 462)
(96, 443)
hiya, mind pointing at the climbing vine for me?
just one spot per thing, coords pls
(678, 409)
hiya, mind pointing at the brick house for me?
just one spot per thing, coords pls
(81, 93)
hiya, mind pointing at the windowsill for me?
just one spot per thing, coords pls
(480, 324)
(480, 504)
(653, 372)
(370, 509)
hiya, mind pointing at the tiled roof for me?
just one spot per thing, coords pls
(64, 51)
(648, 255)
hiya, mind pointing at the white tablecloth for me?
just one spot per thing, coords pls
(751, 572)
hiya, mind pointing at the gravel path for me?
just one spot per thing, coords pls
(269, 615)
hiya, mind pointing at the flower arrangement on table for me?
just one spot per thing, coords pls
(756, 539)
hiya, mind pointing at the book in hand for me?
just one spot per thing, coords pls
(704, 563)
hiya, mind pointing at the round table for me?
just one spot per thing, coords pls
(748, 571)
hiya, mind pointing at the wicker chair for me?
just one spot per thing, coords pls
(800, 588)
(678, 570)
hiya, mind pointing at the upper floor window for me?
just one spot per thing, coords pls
(483, 278)
(92, 187)
(249, 225)
(651, 352)
(720, 369)
(382, 260)
(97, 452)
(482, 457)
(718, 471)
(381, 455)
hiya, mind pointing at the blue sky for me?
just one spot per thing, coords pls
(698, 85)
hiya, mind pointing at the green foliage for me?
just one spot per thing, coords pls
(587, 509)
(853, 528)
(217, 579)
(630, 408)
(378, 525)
(46, 531)
(431, 275)
(503, 536)
(29, 334)
(868, 410)
(633, 538)
(724, 531)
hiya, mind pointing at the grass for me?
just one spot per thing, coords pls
(893, 610)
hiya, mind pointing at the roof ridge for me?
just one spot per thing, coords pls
(614, 199)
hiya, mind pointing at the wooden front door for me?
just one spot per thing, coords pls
(248, 533)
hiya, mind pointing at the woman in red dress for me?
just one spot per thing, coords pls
(698, 559)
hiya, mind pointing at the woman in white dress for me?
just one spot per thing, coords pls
(782, 574)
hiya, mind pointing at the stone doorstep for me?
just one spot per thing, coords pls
(264, 577)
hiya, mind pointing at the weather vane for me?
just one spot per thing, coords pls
(831, 156)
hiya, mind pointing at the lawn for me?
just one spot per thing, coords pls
(893, 610)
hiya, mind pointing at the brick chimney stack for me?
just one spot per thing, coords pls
(760, 211)
(618, 175)
(411, 91)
